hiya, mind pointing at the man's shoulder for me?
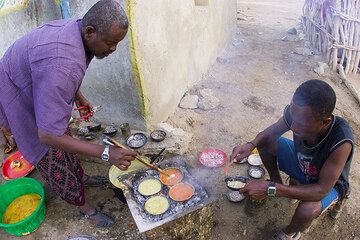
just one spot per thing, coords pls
(341, 125)
(341, 132)
(59, 23)
(58, 41)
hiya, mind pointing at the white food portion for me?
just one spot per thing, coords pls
(254, 159)
(235, 196)
(236, 184)
(256, 173)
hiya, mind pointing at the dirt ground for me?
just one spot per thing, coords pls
(254, 78)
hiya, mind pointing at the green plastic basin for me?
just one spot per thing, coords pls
(17, 188)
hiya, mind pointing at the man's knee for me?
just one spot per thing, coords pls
(307, 211)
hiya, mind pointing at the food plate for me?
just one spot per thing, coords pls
(158, 135)
(256, 172)
(110, 131)
(16, 166)
(235, 183)
(157, 205)
(149, 186)
(181, 192)
(94, 128)
(175, 176)
(115, 172)
(213, 158)
(136, 140)
(254, 160)
(235, 196)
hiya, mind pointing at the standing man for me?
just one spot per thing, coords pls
(319, 158)
(40, 78)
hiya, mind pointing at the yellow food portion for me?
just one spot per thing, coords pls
(157, 205)
(255, 151)
(149, 187)
(21, 208)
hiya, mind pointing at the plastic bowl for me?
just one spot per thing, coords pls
(17, 188)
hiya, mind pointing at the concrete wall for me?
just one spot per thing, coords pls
(177, 42)
(15, 25)
(173, 44)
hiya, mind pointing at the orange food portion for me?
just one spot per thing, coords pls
(175, 176)
(181, 192)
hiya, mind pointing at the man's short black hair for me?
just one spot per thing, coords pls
(318, 95)
(104, 14)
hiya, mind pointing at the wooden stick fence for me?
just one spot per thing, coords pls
(333, 27)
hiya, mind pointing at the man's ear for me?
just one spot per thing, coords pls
(89, 32)
(327, 120)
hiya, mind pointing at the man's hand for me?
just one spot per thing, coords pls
(121, 158)
(241, 152)
(81, 101)
(256, 190)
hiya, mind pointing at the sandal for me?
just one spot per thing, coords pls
(95, 181)
(280, 235)
(99, 219)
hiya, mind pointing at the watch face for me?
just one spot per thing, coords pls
(271, 191)
(105, 157)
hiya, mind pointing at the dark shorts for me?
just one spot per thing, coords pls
(63, 172)
(288, 163)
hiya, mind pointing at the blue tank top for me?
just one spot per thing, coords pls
(311, 159)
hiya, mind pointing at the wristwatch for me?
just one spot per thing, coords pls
(271, 191)
(105, 155)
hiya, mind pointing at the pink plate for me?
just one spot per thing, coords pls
(212, 158)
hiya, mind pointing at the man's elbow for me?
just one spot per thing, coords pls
(44, 137)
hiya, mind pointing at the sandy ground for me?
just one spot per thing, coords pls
(254, 78)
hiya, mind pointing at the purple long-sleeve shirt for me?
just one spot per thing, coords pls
(39, 77)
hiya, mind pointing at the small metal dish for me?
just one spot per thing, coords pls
(147, 188)
(158, 135)
(181, 192)
(136, 140)
(110, 131)
(94, 128)
(157, 205)
(254, 160)
(256, 172)
(235, 196)
(175, 179)
(242, 179)
(90, 136)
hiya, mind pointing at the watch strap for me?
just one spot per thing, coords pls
(105, 155)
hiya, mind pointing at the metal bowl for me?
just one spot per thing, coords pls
(110, 131)
(158, 135)
(136, 140)
(256, 172)
(94, 128)
(237, 178)
(235, 196)
(156, 200)
(179, 189)
(175, 179)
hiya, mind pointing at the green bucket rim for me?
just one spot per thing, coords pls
(38, 207)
